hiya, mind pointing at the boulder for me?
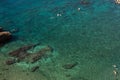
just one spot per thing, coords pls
(5, 36)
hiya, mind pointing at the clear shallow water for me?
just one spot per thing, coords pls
(89, 36)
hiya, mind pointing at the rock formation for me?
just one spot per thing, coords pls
(37, 56)
(5, 36)
(21, 52)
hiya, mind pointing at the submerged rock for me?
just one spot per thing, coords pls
(36, 57)
(21, 52)
(10, 61)
(70, 65)
(22, 55)
(41, 53)
(34, 68)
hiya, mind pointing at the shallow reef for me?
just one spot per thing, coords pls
(59, 40)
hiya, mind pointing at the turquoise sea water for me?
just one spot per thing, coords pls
(89, 36)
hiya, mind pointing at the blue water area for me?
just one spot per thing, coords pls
(82, 31)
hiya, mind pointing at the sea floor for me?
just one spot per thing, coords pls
(89, 37)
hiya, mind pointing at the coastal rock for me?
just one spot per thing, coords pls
(5, 36)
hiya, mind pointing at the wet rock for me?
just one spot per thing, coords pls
(10, 61)
(34, 68)
(5, 36)
(70, 65)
